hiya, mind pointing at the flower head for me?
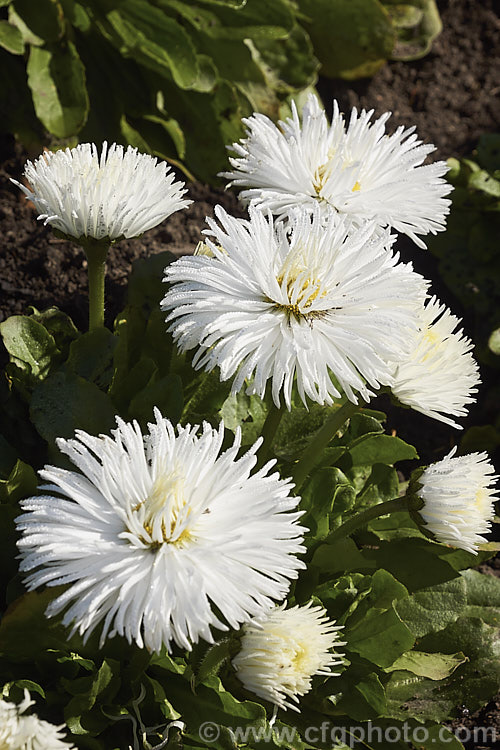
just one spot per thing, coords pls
(458, 499)
(120, 193)
(306, 300)
(19, 731)
(440, 375)
(359, 171)
(160, 537)
(282, 650)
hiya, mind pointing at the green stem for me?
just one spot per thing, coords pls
(96, 252)
(382, 509)
(269, 429)
(320, 440)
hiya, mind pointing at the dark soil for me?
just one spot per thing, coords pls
(451, 95)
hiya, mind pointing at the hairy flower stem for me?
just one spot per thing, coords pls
(321, 439)
(96, 252)
(382, 509)
(269, 430)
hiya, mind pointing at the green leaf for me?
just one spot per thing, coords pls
(214, 658)
(483, 596)
(341, 556)
(58, 324)
(101, 686)
(44, 18)
(434, 666)
(25, 632)
(381, 637)
(247, 412)
(11, 38)
(375, 631)
(321, 496)
(161, 40)
(364, 700)
(417, 23)
(56, 78)
(91, 357)
(165, 394)
(432, 609)
(384, 449)
(31, 348)
(351, 39)
(65, 402)
(22, 481)
(399, 556)
(471, 684)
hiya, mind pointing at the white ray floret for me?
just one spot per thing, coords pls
(303, 300)
(459, 495)
(21, 731)
(358, 170)
(159, 537)
(440, 375)
(119, 193)
(283, 649)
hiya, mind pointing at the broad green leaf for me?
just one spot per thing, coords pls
(395, 526)
(8, 457)
(91, 357)
(341, 556)
(25, 632)
(44, 18)
(213, 660)
(161, 41)
(101, 686)
(56, 78)
(58, 324)
(434, 666)
(247, 412)
(381, 637)
(432, 609)
(350, 39)
(364, 700)
(11, 38)
(399, 556)
(319, 499)
(65, 402)
(30, 346)
(383, 449)
(21, 482)
(483, 596)
(296, 429)
(471, 684)
(417, 24)
(165, 394)
(211, 703)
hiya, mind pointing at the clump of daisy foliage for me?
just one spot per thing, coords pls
(207, 536)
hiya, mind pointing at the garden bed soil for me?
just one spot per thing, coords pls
(451, 95)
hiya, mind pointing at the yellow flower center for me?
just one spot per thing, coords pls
(166, 512)
(301, 289)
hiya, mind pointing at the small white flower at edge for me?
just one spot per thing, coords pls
(22, 731)
(457, 499)
(119, 193)
(283, 649)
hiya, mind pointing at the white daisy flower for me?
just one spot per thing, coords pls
(282, 649)
(159, 537)
(19, 731)
(440, 375)
(458, 499)
(120, 193)
(358, 170)
(306, 300)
